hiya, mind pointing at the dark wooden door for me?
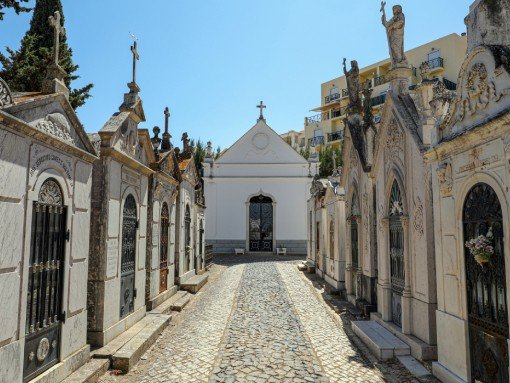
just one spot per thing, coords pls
(187, 238)
(486, 289)
(127, 266)
(45, 281)
(261, 224)
(163, 253)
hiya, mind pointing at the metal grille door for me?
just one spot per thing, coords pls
(396, 210)
(163, 257)
(127, 266)
(261, 224)
(486, 289)
(44, 297)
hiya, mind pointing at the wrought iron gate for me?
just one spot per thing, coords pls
(201, 241)
(486, 289)
(187, 238)
(261, 223)
(45, 281)
(127, 265)
(396, 236)
(163, 253)
(354, 254)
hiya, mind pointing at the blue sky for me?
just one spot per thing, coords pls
(211, 62)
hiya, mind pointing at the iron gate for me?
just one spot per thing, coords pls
(396, 236)
(201, 232)
(187, 237)
(45, 281)
(261, 223)
(486, 289)
(163, 253)
(127, 266)
(354, 254)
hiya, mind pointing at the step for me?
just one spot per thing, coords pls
(161, 298)
(382, 343)
(90, 372)
(413, 366)
(170, 304)
(125, 358)
(179, 304)
(194, 283)
(302, 266)
(116, 344)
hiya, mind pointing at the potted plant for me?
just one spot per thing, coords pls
(481, 247)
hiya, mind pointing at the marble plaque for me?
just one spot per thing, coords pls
(155, 234)
(112, 255)
(42, 157)
(130, 177)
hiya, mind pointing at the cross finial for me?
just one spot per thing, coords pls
(136, 56)
(58, 29)
(261, 106)
(166, 145)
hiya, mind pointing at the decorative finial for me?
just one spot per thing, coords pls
(54, 81)
(136, 56)
(166, 145)
(261, 106)
(156, 141)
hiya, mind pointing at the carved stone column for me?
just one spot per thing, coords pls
(384, 281)
(348, 258)
(406, 294)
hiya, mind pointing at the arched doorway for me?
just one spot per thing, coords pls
(45, 280)
(187, 238)
(261, 223)
(396, 211)
(355, 221)
(127, 263)
(486, 288)
(163, 251)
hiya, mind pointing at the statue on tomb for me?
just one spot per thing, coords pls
(395, 34)
(353, 87)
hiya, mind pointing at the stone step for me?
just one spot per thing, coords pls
(161, 298)
(302, 266)
(179, 304)
(194, 283)
(171, 303)
(116, 344)
(382, 343)
(125, 358)
(90, 372)
(413, 366)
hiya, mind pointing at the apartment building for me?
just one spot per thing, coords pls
(326, 126)
(295, 139)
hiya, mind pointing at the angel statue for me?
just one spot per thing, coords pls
(395, 34)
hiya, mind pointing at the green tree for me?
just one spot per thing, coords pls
(14, 4)
(326, 161)
(25, 69)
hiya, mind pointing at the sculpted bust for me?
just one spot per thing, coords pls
(395, 34)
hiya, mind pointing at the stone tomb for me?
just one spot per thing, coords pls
(46, 168)
(118, 240)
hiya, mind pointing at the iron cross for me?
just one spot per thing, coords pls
(261, 106)
(136, 57)
(58, 30)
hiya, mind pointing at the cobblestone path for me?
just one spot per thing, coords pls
(259, 322)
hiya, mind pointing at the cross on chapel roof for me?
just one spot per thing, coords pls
(261, 106)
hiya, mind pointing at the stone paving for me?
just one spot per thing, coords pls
(260, 322)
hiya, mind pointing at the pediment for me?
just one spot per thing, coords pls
(190, 171)
(52, 114)
(483, 90)
(261, 145)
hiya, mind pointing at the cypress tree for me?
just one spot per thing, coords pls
(25, 69)
(14, 4)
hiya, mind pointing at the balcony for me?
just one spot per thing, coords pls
(317, 118)
(450, 85)
(332, 97)
(378, 100)
(338, 112)
(380, 80)
(438, 62)
(335, 136)
(315, 141)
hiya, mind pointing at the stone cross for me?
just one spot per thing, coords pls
(261, 106)
(165, 144)
(58, 30)
(136, 57)
(167, 116)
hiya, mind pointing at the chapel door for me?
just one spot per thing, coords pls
(163, 253)
(261, 224)
(201, 242)
(45, 281)
(396, 253)
(127, 265)
(187, 238)
(486, 288)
